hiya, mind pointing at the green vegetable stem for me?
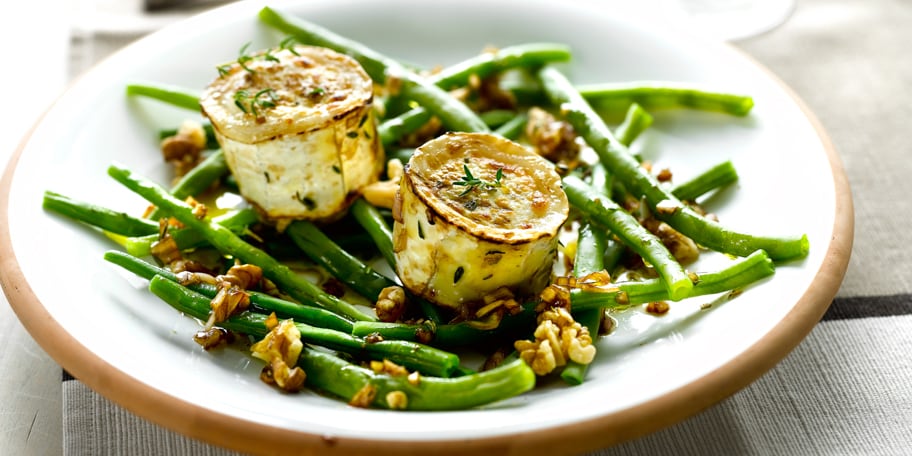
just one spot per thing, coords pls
(639, 182)
(231, 244)
(414, 356)
(452, 113)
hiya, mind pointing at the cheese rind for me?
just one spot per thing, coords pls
(311, 143)
(454, 245)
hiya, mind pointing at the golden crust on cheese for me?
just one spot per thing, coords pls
(312, 87)
(528, 203)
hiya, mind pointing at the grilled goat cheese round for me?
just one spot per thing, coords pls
(297, 129)
(476, 212)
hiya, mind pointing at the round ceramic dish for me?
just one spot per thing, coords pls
(106, 329)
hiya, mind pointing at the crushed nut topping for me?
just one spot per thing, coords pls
(280, 349)
(553, 138)
(667, 207)
(187, 278)
(199, 209)
(658, 308)
(683, 248)
(231, 297)
(501, 298)
(391, 304)
(397, 400)
(558, 338)
(166, 250)
(212, 337)
(553, 296)
(388, 367)
(364, 397)
(183, 150)
(383, 193)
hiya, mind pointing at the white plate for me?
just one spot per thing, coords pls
(106, 329)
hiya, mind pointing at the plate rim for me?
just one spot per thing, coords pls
(240, 434)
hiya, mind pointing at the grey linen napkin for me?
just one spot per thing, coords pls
(846, 389)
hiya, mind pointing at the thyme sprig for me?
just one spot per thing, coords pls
(471, 182)
(251, 104)
(288, 44)
(242, 60)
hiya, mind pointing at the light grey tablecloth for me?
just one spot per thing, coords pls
(847, 389)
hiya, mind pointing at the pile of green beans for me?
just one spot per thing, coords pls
(606, 230)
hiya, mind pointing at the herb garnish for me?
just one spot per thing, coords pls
(266, 98)
(471, 182)
(244, 58)
(288, 44)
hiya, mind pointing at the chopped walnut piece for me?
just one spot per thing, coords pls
(232, 297)
(186, 278)
(388, 367)
(364, 397)
(658, 308)
(280, 349)
(244, 276)
(166, 250)
(397, 400)
(183, 150)
(199, 209)
(271, 321)
(552, 138)
(497, 299)
(667, 207)
(553, 296)
(391, 304)
(383, 193)
(211, 337)
(558, 338)
(683, 248)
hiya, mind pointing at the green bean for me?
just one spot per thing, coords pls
(716, 177)
(303, 313)
(343, 379)
(172, 95)
(484, 65)
(425, 359)
(635, 122)
(109, 220)
(340, 264)
(452, 334)
(373, 222)
(603, 182)
(616, 97)
(495, 118)
(605, 212)
(452, 113)
(640, 183)
(590, 249)
(513, 128)
(236, 221)
(198, 179)
(529, 55)
(392, 130)
(740, 273)
(229, 243)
